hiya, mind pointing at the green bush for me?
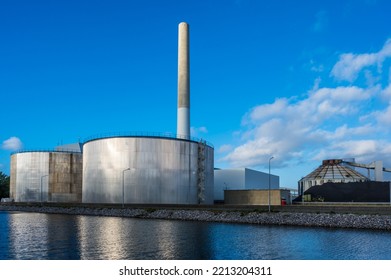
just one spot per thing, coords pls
(4, 185)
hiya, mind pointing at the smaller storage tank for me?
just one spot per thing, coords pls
(46, 176)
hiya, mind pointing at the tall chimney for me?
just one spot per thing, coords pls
(183, 117)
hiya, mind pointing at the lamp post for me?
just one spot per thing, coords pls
(41, 184)
(123, 186)
(269, 183)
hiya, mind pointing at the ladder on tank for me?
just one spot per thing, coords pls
(201, 172)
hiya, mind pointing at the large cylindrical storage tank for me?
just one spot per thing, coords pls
(46, 176)
(148, 170)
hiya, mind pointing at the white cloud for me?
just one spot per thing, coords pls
(225, 148)
(349, 64)
(319, 105)
(386, 93)
(196, 131)
(357, 148)
(364, 151)
(329, 122)
(289, 129)
(384, 117)
(12, 144)
(267, 110)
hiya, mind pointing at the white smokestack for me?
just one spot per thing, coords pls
(183, 117)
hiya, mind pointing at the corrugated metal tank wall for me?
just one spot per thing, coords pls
(27, 171)
(146, 170)
(65, 177)
(13, 165)
(46, 176)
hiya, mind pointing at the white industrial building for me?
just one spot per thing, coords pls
(242, 179)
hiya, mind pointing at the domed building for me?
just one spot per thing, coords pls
(331, 171)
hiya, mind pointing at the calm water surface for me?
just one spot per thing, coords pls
(68, 237)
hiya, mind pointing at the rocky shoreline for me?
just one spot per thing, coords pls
(330, 220)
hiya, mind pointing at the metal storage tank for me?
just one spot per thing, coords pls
(156, 169)
(46, 176)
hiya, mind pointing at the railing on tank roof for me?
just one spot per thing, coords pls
(145, 134)
(46, 151)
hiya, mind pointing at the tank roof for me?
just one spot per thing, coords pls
(334, 169)
(45, 151)
(145, 135)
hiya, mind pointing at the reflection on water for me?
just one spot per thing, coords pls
(122, 238)
(38, 236)
(50, 236)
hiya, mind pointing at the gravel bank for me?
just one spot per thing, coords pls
(379, 222)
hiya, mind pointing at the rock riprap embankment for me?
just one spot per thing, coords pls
(333, 220)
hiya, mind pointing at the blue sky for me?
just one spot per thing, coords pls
(300, 81)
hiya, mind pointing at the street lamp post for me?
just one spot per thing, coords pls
(42, 184)
(123, 186)
(269, 183)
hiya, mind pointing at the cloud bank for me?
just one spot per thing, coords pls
(350, 65)
(328, 122)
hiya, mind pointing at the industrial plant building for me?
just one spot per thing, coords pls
(174, 169)
(257, 197)
(368, 191)
(242, 179)
(336, 180)
(137, 168)
(331, 171)
(124, 168)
